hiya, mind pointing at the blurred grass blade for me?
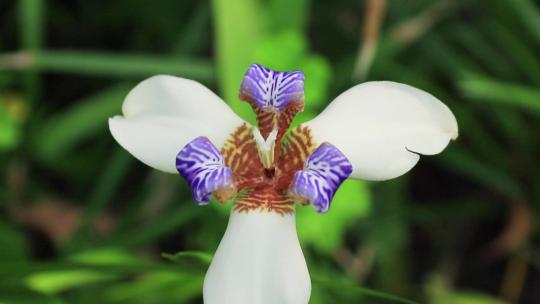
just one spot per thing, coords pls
(410, 30)
(108, 256)
(13, 243)
(31, 23)
(529, 14)
(23, 295)
(31, 28)
(97, 63)
(159, 226)
(327, 233)
(235, 46)
(349, 288)
(52, 282)
(156, 287)
(487, 90)
(483, 51)
(389, 230)
(286, 15)
(113, 173)
(202, 257)
(516, 49)
(514, 127)
(189, 40)
(87, 117)
(458, 160)
(374, 13)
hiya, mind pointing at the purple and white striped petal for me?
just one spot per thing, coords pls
(266, 88)
(324, 171)
(203, 167)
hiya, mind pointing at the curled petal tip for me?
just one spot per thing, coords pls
(268, 89)
(276, 97)
(383, 127)
(455, 134)
(324, 171)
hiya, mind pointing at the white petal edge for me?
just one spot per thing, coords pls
(259, 260)
(383, 126)
(163, 113)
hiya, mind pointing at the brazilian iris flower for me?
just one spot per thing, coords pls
(373, 131)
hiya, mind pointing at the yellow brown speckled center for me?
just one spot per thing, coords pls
(265, 188)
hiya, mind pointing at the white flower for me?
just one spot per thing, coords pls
(373, 131)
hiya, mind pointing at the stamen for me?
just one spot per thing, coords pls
(265, 147)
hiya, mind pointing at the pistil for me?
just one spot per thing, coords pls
(265, 147)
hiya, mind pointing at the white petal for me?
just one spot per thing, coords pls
(163, 113)
(259, 260)
(383, 126)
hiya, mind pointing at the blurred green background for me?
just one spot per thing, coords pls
(82, 221)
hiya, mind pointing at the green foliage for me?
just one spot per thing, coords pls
(288, 50)
(204, 258)
(440, 293)
(235, 46)
(278, 43)
(344, 288)
(125, 65)
(52, 282)
(12, 242)
(326, 232)
(482, 89)
(10, 129)
(65, 69)
(61, 132)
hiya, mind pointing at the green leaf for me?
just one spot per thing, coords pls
(113, 174)
(98, 63)
(318, 74)
(86, 118)
(483, 89)
(288, 51)
(31, 23)
(195, 261)
(21, 295)
(12, 243)
(529, 14)
(106, 256)
(461, 161)
(235, 43)
(10, 129)
(348, 288)
(202, 257)
(281, 51)
(288, 15)
(156, 287)
(51, 282)
(166, 222)
(439, 292)
(325, 232)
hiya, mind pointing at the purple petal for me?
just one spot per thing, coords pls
(266, 88)
(203, 167)
(324, 171)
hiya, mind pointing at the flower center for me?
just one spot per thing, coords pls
(256, 164)
(262, 179)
